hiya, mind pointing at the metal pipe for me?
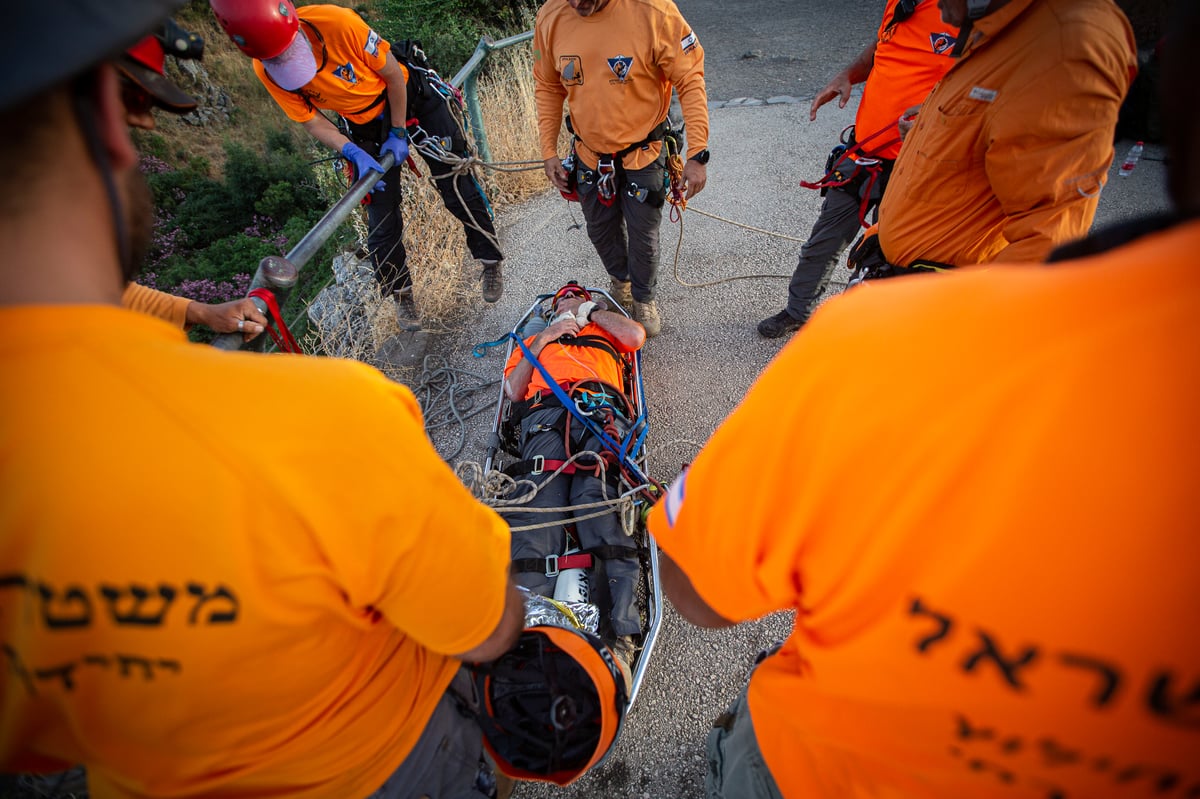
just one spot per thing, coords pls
(303, 252)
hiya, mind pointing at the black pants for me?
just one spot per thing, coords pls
(612, 582)
(384, 218)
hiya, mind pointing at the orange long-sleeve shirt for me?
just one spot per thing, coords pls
(1012, 147)
(158, 304)
(615, 70)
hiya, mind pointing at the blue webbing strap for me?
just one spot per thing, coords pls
(565, 399)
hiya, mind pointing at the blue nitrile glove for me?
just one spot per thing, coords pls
(363, 162)
(397, 145)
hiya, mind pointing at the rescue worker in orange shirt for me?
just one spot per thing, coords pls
(989, 543)
(581, 349)
(276, 624)
(1009, 152)
(323, 57)
(910, 53)
(144, 87)
(614, 63)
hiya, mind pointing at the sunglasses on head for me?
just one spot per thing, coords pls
(571, 290)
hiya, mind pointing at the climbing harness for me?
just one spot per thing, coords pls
(848, 166)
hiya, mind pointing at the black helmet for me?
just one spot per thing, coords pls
(552, 706)
(91, 31)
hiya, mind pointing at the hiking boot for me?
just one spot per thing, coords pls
(493, 281)
(647, 314)
(622, 292)
(624, 651)
(406, 310)
(781, 324)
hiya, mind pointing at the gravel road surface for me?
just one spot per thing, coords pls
(709, 353)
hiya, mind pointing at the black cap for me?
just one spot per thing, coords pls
(90, 31)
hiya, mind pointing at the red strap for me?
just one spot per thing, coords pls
(579, 560)
(551, 465)
(279, 331)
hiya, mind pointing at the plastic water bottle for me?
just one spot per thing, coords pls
(572, 585)
(1135, 152)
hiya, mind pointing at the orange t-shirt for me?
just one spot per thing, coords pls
(349, 57)
(910, 57)
(1012, 147)
(987, 531)
(615, 70)
(569, 363)
(223, 574)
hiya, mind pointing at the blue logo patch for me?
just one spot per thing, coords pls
(620, 66)
(942, 42)
(346, 73)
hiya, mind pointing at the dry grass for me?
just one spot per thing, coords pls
(445, 277)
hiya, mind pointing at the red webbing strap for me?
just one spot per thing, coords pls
(280, 334)
(826, 181)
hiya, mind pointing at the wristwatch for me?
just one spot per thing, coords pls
(701, 157)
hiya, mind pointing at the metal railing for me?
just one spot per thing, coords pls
(465, 79)
(280, 274)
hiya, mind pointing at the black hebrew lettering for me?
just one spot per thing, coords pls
(1110, 678)
(966, 732)
(1001, 772)
(18, 669)
(1008, 667)
(13, 581)
(1055, 755)
(1164, 781)
(222, 594)
(1052, 790)
(125, 604)
(173, 665)
(1010, 746)
(63, 672)
(1172, 706)
(943, 629)
(102, 661)
(74, 609)
(127, 662)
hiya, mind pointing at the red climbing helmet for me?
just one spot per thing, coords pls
(572, 288)
(261, 29)
(552, 706)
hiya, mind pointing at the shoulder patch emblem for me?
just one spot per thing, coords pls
(346, 72)
(619, 65)
(942, 42)
(689, 42)
(570, 69)
(372, 45)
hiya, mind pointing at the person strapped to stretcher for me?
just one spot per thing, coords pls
(582, 349)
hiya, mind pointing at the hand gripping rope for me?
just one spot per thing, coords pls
(280, 334)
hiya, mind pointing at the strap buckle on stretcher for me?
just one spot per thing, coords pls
(575, 560)
(539, 466)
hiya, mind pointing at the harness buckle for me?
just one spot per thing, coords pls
(539, 464)
(637, 192)
(552, 565)
(606, 183)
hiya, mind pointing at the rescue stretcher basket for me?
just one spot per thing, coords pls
(649, 589)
